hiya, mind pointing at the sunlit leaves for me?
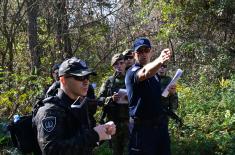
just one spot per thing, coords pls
(208, 111)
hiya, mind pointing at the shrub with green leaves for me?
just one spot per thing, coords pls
(19, 93)
(208, 111)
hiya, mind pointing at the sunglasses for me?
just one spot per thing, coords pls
(79, 78)
(143, 50)
(128, 57)
(164, 66)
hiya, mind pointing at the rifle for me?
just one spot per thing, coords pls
(106, 107)
(174, 116)
(109, 93)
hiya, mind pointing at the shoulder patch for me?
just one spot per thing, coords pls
(49, 123)
(135, 68)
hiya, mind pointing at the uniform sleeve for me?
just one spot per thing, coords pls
(103, 93)
(133, 74)
(104, 89)
(173, 99)
(53, 136)
(131, 81)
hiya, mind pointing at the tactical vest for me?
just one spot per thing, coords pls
(117, 112)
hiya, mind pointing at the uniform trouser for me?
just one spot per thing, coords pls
(120, 139)
(150, 140)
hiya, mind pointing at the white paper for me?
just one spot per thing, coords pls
(123, 96)
(173, 81)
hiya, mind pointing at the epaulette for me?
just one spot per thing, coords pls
(50, 99)
(56, 101)
(135, 68)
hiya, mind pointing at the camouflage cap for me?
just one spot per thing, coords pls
(127, 52)
(116, 57)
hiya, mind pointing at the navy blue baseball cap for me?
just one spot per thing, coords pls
(76, 67)
(140, 42)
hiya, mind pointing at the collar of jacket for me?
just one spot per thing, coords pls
(138, 64)
(65, 100)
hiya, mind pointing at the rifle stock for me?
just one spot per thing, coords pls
(174, 116)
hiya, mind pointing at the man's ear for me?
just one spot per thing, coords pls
(134, 55)
(62, 80)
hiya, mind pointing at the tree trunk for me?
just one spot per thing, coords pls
(63, 39)
(11, 56)
(34, 49)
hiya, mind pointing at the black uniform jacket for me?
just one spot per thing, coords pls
(62, 129)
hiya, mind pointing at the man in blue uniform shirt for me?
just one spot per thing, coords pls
(149, 135)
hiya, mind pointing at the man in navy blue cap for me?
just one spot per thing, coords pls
(149, 135)
(62, 124)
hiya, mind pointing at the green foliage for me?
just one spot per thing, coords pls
(5, 140)
(208, 111)
(4, 137)
(202, 33)
(23, 92)
(103, 149)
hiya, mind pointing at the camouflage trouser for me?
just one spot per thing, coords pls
(121, 139)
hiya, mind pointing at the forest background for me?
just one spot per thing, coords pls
(35, 34)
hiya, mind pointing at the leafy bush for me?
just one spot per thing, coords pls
(19, 93)
(208, 110)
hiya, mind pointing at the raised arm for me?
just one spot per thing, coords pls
(151, 68)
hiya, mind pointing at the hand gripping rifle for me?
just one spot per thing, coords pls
(109, 93)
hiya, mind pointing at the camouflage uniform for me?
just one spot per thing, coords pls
(116, 112)
(171, 102)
